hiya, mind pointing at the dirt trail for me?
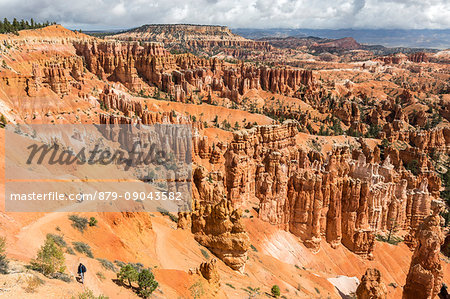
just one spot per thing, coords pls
(161, 246)
(31, 237)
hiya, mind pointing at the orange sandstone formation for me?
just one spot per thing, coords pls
(371, 286)
(214, 222)
(425, 273)
(181, 75)
(340, 197)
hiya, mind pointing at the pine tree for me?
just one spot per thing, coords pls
(6, 25)
(50, 258)
(147, 283)
(128, 273)
(15, 26)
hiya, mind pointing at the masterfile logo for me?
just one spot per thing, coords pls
(98, 168)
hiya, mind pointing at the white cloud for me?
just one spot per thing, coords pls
(100, 14)
(119, 9)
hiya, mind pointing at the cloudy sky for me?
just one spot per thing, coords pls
(317, 14)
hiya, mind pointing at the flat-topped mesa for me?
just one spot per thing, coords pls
(177, 32)
(182, 75)
(426, 272)
(344, 197)
(194, 38)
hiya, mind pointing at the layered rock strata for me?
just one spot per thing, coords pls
(214, 222)
(344, 197)
(426, 272)
(182, 75)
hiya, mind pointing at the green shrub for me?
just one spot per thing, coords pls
(197, 290)
(50, 259)
(393, 284)
(252, 292)
(59, 240)
(394, 240)
(137, 266)
(119, 264)
(373, 131)
(69, 250)
(83, 248)
(383, 146)
(62, 276)
(32, 283)
(413, 166)
(275, 291)
(337, 127)
(88, 294)
(100, 275)
(205, 253)
(164, 212)
(4, 263)
(107, 264)
(3, 120)
(147, 283)
(93, 221)
(78, 222)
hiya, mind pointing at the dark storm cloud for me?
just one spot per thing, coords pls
(91, 14)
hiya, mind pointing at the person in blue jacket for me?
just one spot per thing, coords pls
(81, 271)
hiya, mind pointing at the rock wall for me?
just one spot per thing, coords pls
(344, 197)
(214, 222)
(418, 57)
(181, 75)
(57, 74)
(426, 272)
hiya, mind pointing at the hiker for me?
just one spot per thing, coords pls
(81, 271)
(443, 294)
